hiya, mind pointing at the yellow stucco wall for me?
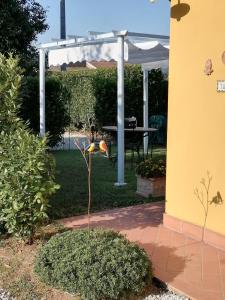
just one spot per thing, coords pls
(196, 122)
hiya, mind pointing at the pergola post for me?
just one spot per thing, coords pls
(42, 90)
(120, 112)
(145, 108)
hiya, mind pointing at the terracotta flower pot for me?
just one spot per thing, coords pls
(154, 187)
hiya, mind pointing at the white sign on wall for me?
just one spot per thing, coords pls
(221, 86)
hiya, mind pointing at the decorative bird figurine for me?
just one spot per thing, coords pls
(103, 147)
(90, 148)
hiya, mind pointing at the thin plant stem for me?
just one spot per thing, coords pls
(88, 163)
(207, 188)
(89, 190)
(205, 203)
(82, 152)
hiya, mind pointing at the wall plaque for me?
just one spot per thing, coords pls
(223, 57)
(208, 67)
(221, 86)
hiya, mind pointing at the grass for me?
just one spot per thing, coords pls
(72, 198)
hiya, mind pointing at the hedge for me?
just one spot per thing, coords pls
(57, 117)
(86, 96)
(92, 95)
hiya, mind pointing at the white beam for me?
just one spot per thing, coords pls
(42, 90)
(97, 36)
(73, 36)
(56, 39)
(74, 42)
(120, 112)
(95, 32)
(145, 108)
(148, 35)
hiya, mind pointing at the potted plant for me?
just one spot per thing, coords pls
(151, 178)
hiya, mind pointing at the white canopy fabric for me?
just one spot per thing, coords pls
(134, 52)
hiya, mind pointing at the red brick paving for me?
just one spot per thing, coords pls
(192, 267)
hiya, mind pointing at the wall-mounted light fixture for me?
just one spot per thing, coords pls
(178, 10)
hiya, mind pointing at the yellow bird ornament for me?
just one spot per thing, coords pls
(90, 148)
(103, 147)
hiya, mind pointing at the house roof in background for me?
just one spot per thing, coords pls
(101, 64)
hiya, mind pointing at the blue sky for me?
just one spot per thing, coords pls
(105, 15)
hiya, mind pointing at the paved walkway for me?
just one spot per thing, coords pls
(191, 267)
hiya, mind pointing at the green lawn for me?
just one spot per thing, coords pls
(72, 198)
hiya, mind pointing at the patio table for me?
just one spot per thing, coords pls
(137, 130)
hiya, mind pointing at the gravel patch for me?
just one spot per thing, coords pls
(162, 295)
(164, 292)
(168, 295)
(5, 296)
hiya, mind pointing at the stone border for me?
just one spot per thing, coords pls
(194, 231)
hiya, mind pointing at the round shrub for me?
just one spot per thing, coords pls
(97, 265)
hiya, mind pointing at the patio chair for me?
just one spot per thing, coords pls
(159, 122)
(133, 143)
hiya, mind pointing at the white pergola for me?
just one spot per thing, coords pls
(149, 50)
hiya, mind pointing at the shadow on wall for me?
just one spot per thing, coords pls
(202, 194)
(179, 10)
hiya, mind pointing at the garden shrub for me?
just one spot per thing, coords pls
(97, 265)
(57, 116)
(26, 180)
(26, 169)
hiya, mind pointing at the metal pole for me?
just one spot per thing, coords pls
(145, 108)
(63, 25)
(42, 90)
(120, 113)
(62, 19)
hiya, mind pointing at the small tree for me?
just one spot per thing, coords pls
(26, 169)
(20, 23)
